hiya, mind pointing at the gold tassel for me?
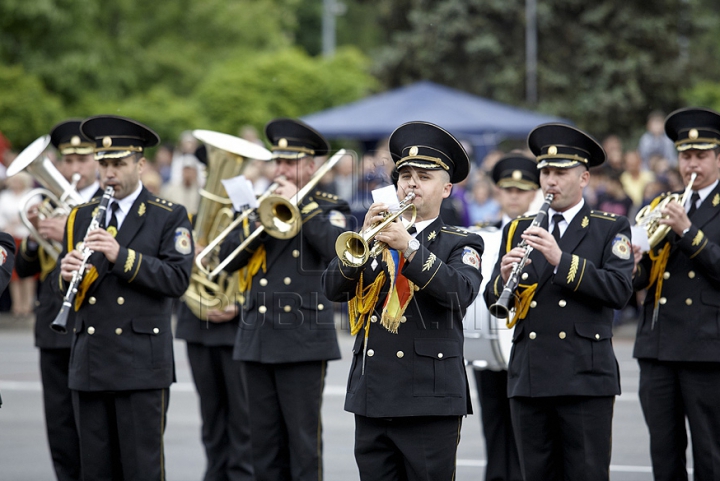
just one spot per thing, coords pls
(659, 262)
(245, 275)
(362, 304)
(522, 304)
(89, 277)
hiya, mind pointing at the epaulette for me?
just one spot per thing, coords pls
(599, 214)
(93, 201)
(455, 230)
(482, 225)
(327, 196)
(525, 217)
(162, 203)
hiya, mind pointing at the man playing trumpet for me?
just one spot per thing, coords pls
(678, 336)
(408, 386)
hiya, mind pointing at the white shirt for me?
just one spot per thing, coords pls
(568, 215)
(87, 193)
(703, 193)
(125, 205)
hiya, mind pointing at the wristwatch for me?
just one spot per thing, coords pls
(413, 246)
(685, 231)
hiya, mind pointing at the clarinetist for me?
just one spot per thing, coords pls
(563, 375)
(121, 363)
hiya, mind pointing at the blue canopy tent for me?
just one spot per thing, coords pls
(483, 123)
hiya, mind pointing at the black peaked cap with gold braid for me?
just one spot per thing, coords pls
(516, 170)
(67, 138)
(428, 146)
(563, 146)
(116, 137)
(693, 128)
(292, 139)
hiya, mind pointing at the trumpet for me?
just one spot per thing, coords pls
(278, 216)
(649, 216)
(60, 322)
(501, 309)
(354, 249)
(60, 195)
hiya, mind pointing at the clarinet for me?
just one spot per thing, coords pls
(60, 322)
(501, 309)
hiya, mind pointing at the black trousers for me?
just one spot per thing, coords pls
(60, 425)
(220, 384)
(670, 392)
(285, 423)
(563, 438)
(417, 448)
(121, 434)
(503, 463)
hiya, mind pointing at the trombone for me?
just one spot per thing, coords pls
(278, 216)
(354, 249)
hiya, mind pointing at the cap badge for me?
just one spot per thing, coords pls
(693, 134)
(516, 175)
(75, 140)
(107, 142)
(414, 150)
(282, 143)
(552, 150)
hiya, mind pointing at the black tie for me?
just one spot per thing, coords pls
(557, 218)
(113, 224)
(412, 230)
(693, 203)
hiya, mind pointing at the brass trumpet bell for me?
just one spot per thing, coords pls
(280, 217)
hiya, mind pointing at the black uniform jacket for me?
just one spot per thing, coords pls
(688, 323)
(122, 336)
(205, 333)
(419, 371)
(286, 317)
(564, 345)
(28, 263)
(7, 259)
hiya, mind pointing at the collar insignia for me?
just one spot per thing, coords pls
(141, 209)
(716, 200)
(432, 235)
(585, 222)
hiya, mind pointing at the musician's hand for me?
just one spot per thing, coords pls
(52, 229)
(218, 316)
(33, 215)
(674, 215)
(395, 235)
(375, 215)
(70, 263)
(509, 260)
(285, 188)
(542, 241)
(101, 240)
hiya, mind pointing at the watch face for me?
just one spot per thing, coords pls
(414, 244)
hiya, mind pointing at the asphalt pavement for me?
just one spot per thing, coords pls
(24, 454)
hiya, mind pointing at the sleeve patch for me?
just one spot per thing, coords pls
(3, 255)
(183, 242)
(337, 218)
(621, 247)
(471, 257)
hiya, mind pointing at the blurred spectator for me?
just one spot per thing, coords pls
(151, 179)
(22, 291)
(4, 147)
(163, 161)
(250, 133)
(635, 177)
(659, 165)
(187, 146)
(483, 207)
(614, 151)
(454, 208)
(187, 191)
(674, 180)
(614, 199)
(490, 159)
(653, 189)
(655, 142)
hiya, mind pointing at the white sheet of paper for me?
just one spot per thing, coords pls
(241, 192)
(640, 238)
(387, 195)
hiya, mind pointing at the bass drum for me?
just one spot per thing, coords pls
(488, 341)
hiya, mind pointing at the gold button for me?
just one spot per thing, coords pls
(403, 319)
(688, 301)
(533, 303)
(440, 355)
(562, 335)
(92, 300)
(287, 281)
(370, 353)
(91, 330)
(562, 303)
(118, 331)
(524, 276)
(691, 274)
(373, 318)
(597, 336)
(263, 282)
(296, 253)
(532, 335)
(156, 330)
(666, 275)
(400, 354)
(663, 300)
(121, 300)
(287, 308)
(262, 309)
(320, 307)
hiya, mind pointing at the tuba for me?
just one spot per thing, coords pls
(228, 156)
(648, 216)
(60, 196)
